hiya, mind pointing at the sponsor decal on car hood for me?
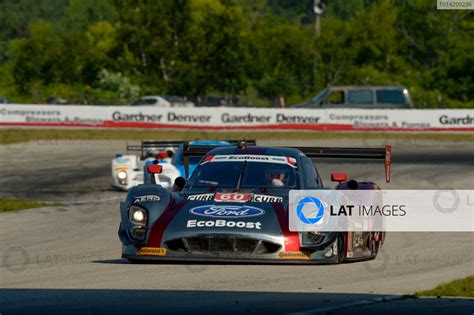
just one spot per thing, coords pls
(223, 224)
(147, 198)
(226, 211)
(235, 197)
(232, 197)
(266, 198)
(201, 197)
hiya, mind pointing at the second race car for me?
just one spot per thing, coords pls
(131, 170)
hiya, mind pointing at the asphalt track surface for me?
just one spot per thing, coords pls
(66, 258)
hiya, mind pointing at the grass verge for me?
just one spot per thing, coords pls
(461, 287)
(16, 135)
(19, 204)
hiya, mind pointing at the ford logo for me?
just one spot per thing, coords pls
(225, 211)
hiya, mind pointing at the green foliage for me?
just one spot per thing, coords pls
(13, 135)
(110, 51)
(80, 14)
(116, 82)
(344, 9)
(20, 204)
(460, 287)
(16, 16)
(287, 63)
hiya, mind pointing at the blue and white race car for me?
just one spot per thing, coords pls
(131, 170)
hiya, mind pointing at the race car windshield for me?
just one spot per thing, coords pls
(242, 174)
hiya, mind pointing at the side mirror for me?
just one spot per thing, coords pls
(179, 184)
(339, 177)
(154, 168)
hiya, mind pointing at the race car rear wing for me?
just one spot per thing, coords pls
(201, 150)
(174, 143)
(312, 152)
(352, 153)
(152, 144)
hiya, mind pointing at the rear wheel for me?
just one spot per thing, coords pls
(376, 241)
(341, 247)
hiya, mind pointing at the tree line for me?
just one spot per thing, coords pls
(113, 51)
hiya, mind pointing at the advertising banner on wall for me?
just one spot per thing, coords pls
(235, 118)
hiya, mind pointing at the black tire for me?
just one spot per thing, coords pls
(375, 246)
(341, 247)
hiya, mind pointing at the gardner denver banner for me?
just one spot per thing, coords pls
(381, 210)
(234, 118)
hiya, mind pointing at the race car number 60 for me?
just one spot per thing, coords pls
(232, 197)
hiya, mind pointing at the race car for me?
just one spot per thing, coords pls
(131, 170)
(173, 166)
(234, 207)
(127, 170)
